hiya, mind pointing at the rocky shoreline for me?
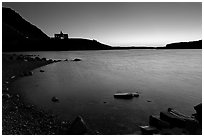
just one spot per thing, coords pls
(20, 118)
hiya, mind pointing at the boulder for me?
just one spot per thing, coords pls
(198, 108)
(136, 94)
(42, 70)
(37, 59)
(78, 127)
(149, 130)
(76, 59)
(50, 61)
(172, 119)
(157, 122)
(44, 59)
(55, 99)
(30, 73)
(178, 119)
(198, 115)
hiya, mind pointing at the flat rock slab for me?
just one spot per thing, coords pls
(123, 95)
(149, 130)
(157, 122)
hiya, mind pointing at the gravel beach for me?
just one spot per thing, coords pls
(20, 118)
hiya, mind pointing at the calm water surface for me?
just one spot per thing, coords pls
(168, 78)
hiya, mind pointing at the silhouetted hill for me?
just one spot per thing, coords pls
(15, 21)
(16, 31)
(184, 45)
(20, 35)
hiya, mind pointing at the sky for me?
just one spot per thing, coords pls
(117, 24)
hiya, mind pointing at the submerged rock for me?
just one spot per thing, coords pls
(76, 59)
(55, 99)
(42, 71)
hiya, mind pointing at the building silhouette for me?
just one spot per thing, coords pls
(61, 36)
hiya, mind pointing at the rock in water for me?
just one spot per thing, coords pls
(44, 59)
(172, 119)
(148, 130)
(198, 115)
(76, 59)
(123, 95)
(13, 77)
(157, 122)
(30, 73)
(198, 108)
(78, 127)
(55, 99)
(178, 119)
(136, 94)
(42, 71)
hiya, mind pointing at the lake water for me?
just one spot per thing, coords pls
(167, 78)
